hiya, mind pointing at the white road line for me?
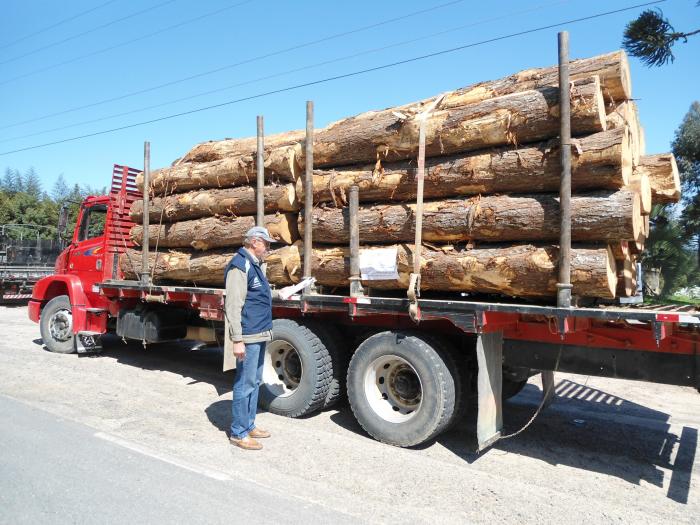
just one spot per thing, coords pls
(204, 471)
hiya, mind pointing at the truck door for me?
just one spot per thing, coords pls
(86, 257)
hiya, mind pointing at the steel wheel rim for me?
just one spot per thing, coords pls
(283, 369)
(393, 389)
(61, 325)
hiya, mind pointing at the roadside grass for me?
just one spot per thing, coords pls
(681, 300)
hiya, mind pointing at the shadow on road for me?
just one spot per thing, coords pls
(183, 358)
(584, 428)
(219, 414)
(590, 429)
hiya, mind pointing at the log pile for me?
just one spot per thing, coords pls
(491, 216)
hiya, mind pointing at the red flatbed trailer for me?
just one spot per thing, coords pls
(407, 380)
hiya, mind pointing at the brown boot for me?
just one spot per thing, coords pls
(259, 433)
(247, 443)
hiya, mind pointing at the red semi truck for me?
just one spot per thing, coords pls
(408, 377)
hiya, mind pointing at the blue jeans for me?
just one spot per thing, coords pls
(246, 385)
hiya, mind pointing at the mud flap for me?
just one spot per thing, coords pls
(489, 354)
(88, 342)
(547, 387)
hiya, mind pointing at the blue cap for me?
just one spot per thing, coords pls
(259, 232)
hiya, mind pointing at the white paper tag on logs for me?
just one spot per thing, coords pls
(379, 264)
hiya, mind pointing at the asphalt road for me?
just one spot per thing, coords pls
(57, 471)
(138, 435)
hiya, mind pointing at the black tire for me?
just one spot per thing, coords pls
(512, 388)
(457, 365)
(57, 315)
(337, 348)
(314, 374)
(411, 356)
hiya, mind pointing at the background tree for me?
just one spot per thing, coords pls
(17, 181)
(686, 148)
(60, 190)
(666, 251)
(8, 181)
(32, 183)
(22, 201)
(651, 37)
(673, 245)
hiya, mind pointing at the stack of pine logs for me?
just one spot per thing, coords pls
(491, 218)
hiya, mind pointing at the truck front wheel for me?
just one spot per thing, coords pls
(402, 388)
(56, 325)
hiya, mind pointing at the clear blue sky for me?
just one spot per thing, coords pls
(259, 27)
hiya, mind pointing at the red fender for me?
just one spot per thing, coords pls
(62, 284)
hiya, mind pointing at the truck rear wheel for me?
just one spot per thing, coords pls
(337, 348)
(297, 371)
(401, 388)
(56, 325)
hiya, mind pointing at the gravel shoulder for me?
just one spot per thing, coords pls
(605, 451)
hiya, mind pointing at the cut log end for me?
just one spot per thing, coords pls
(626, 277)
(625, 76)
(637, 217)
(644, 188)
(627, 157)
(664, 178)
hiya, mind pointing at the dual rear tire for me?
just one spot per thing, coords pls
(298, 371)
(404, 388)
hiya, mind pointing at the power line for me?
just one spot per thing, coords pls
(289, 71)
(73, 37)
(56, 24)
(221, 68)
(337, 77)
(122, 44)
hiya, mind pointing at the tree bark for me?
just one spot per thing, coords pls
(663, 176)
(519, 118)
(219, 149)
(224, 173)
(226, 202)
(216, 232)
(611, 68)
(392, 135)
(198, 268)
(596, 217)
(521, 270)
(600, 161)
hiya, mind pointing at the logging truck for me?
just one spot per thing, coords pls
(411, 366)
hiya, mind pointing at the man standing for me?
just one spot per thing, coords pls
(249, 316)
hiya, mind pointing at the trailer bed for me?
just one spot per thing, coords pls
(659, 344)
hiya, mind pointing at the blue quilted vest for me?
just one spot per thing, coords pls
(257, 309)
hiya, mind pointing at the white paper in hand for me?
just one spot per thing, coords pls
(288, 291)
(379, 264)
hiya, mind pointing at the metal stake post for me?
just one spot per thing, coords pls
(355, 282)
(260, 164)
(414, 283)
(308, 191)
(564, 284)
(145, 274)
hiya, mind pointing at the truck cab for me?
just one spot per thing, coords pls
(68, 303)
